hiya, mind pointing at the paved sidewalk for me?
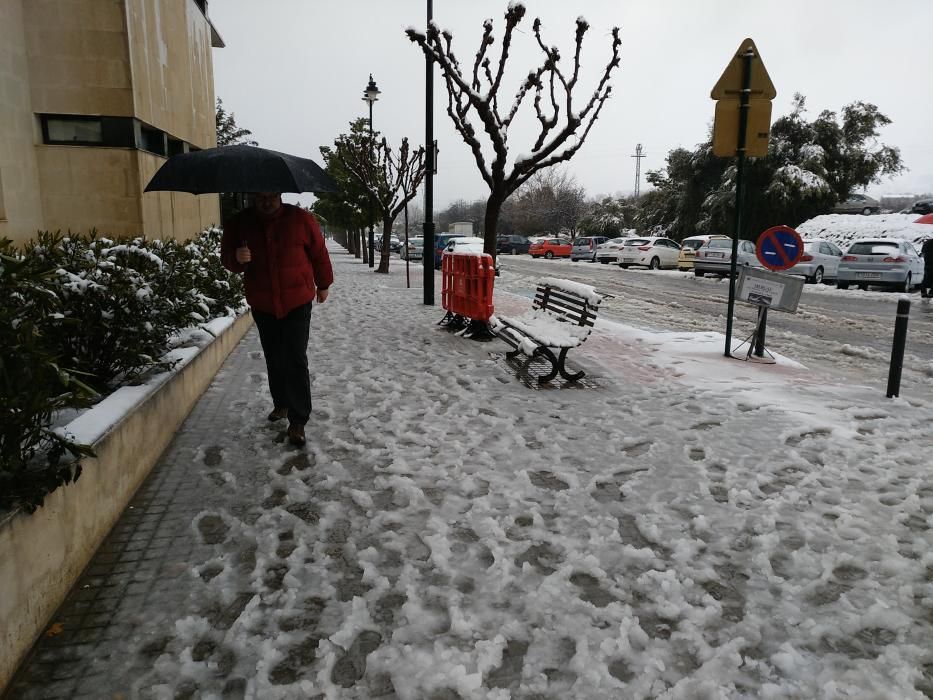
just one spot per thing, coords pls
(449, 533)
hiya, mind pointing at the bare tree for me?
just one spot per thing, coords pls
(391, 179)
(550, 201)
(479, 93)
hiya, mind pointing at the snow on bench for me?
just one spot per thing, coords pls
(562, 316)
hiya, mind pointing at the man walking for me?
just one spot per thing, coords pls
(280, 250)
(926, 289)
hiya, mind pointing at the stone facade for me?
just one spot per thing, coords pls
(145, 67)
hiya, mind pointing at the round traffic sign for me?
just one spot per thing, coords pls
(779, 248)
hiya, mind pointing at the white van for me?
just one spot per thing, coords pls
(688, 251)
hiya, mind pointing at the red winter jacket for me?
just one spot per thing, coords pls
(289, 259)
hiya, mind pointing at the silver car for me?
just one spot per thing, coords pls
(890, 262)
(820, 260)
(858, 204)
(584, 248)
(716, 256)
(415, 249)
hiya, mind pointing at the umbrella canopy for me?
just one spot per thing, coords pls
(240, 169)
(925, 219)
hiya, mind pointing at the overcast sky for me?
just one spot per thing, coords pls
(294, 71)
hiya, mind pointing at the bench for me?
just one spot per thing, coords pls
(562, 315)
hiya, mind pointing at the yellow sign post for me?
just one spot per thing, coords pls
(731, 93)
(742, 126)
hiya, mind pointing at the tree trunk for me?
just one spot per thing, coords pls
(491, 222)
(386, 252)
(364, 247)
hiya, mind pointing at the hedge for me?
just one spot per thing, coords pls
(81, 315)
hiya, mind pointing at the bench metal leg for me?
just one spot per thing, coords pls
(545, 352)
(563, 370)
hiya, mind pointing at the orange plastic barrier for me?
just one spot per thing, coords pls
(467, 285)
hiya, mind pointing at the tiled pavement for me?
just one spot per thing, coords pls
(145, 560)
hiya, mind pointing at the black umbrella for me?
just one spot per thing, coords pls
(240, 169)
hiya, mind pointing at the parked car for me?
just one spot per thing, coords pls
(415, 250)
(440, 242)
(889, 262)
(584, 248)
(394, 244)
(858, 204)
(609, 251)
(468, 244)
(512, 243)
(820, 260)
(923, 206)
(653, 252)
(688, 250)
(716, 256)
(551, 248)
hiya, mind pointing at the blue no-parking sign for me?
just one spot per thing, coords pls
(779, 248)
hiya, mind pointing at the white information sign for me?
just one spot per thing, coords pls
(769, 289)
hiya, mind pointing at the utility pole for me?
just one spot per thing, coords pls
(639, 154)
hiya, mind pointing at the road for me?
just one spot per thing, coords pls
(847, 333)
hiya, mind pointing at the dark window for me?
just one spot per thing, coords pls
(175, 146)
(152, 140)
(72, 130)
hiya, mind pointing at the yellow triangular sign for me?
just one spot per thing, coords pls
(730, 84)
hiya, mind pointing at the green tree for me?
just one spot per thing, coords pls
(809, 167)
(391, 179)
(348, 208)
(229, 134)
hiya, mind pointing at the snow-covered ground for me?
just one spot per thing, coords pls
(690, 527)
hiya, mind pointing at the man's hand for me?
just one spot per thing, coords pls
(243, 255)
(321, 295)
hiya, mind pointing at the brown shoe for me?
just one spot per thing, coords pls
(278, 414)
(296, 434)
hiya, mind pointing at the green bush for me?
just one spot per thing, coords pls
(108, 311)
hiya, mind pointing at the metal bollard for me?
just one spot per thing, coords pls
(897, 350)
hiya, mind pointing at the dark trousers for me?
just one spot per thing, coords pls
(285, 345)
(927, 286)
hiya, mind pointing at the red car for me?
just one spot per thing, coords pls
(551, 248)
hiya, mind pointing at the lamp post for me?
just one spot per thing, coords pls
(430, 167)
(370, 95)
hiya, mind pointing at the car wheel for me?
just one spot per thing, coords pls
(514, 251)
(842, 285)
(534, 256)
(908, 284)
(863, 287)
(697, 273)
(624, 267)
(604, 262)
(655, 264)
(866, 211)
(817, 276)
(549, 255)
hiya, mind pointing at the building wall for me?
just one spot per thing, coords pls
(145, 59)
(170, 54)
(78, 57)
(176, 214)
(20, 203)
(84, 188)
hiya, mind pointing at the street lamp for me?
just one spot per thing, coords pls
(370, 95)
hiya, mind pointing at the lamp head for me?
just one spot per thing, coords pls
(371, 93)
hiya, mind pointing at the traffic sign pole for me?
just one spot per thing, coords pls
(747, 58)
